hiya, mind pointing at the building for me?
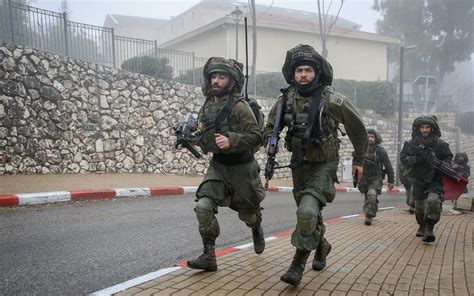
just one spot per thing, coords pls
(210, 28)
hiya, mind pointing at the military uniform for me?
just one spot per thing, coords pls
(460, 165)
(376, 165)
(407, 182)
(232, 178)
(427, 188)
(315, 158)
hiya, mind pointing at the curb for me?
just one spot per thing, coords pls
(156, 274)
(23, 199)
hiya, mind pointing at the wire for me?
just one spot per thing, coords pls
(266, 10)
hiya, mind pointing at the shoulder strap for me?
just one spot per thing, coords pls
(228, 107)
(310, 128)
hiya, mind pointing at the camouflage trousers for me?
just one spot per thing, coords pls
(238, 187)
(428, 203)
(313, 188)
(371, 203)
(408, 189)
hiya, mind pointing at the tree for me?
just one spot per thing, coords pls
(441, 31)
(326, 23)
(156, 67)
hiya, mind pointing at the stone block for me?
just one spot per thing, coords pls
(465, 202)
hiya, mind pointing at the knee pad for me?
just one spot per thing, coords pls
(433, 202)
(306, 221)
(372, 192)
(204, 209)
(249, 218)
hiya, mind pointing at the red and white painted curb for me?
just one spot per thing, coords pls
(156, 274)
(8, 200)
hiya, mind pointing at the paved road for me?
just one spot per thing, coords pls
(79, 248)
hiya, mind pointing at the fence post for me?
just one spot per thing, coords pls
(66, 47)
(194, 69)
(155, 44)
(10, 11)
(113, 48)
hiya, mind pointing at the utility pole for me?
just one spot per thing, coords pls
(254, 48)
(400, 111)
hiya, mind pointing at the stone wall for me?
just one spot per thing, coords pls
(60, 115)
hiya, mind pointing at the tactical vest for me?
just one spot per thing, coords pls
(295, 117)
(373, 166)
(208, 125)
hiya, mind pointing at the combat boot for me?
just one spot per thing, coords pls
(295, 272)
(258, 239)
(207, 260)
(429, 236)
(421, 230)
(411, 210)
(368, 221)
(319, 261)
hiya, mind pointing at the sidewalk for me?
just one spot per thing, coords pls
(15, 184)
(383, 259)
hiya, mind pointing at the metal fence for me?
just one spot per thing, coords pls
(52, 31)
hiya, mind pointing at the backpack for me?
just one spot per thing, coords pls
(257, 112)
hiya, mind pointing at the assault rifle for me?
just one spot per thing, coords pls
(184, 134)
(273, 145)
(437, 164)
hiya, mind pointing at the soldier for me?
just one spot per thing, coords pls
(427, 188)
(231, 133)
(376, 165)
(407, 184)
(460, 165)
(312, 114)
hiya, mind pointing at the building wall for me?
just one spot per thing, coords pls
(59, 115)
(351, 58)
(216, 43)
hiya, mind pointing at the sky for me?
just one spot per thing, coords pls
(94, 12)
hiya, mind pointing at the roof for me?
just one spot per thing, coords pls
(346, 33)
(134, 21)
(277, 14)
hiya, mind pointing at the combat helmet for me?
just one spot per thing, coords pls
(424, 119)
(303, 54)
(229, 66)
(378, 138)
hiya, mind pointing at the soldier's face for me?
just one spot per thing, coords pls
(304, 74)
(425, 130)
(219, 83)
(371, 139)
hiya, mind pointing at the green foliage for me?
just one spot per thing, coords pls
(441, 30)
(268, 84)
(147, 65)
(189, 76)
(380, 96)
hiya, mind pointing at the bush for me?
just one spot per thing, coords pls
(268, 84)
(380, 96)
(187, 76)
(147, 65)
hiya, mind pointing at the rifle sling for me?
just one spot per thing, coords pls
(313, 111)
(225, 111)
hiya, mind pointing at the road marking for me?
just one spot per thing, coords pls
(136, 281)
